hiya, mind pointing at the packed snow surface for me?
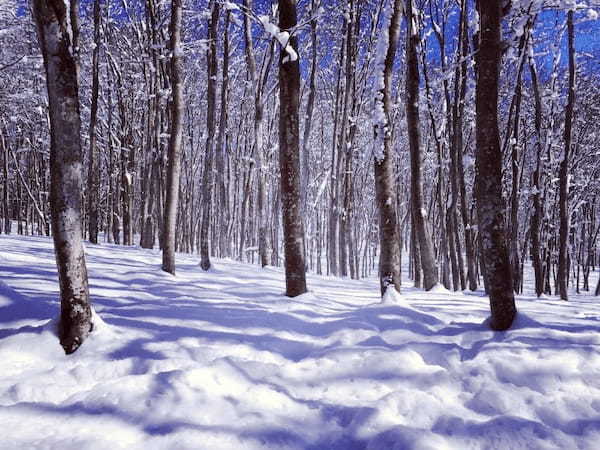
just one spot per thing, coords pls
(222, 360)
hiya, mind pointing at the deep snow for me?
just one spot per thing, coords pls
(222, 360)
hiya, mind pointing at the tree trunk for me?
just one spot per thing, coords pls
(537, 203)
(207, 176)
(563, 200)
(488, 164)
(6, 197)
(57, 32)
(221, 150)
(93, 198)
(428, 263)
(263, 247)
(289, 157)
(174, 152)
(312, 87)
(385, 192)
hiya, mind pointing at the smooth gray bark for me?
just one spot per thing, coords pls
(385, 186)
(93, 175)
(488, 166)
(563, 200)
(428, 263)
(289, 156)
(174, 155)
(57, 33)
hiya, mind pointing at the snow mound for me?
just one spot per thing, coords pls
(392, 297)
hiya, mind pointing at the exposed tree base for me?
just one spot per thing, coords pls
(168, 268)
(502, 321)
(72, 335)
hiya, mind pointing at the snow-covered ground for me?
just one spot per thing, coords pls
(222, 360)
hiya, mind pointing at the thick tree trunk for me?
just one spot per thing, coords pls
(428, 263)
(93, 198)
(488, 164)
(563, 199)
(385, 192)
(174, 155)
(57, 32)
(289, 155)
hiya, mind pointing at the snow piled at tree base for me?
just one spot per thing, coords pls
(222, 360)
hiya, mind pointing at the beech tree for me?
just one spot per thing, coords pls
(57, 26)
(488, 180)
(93, 182)
(419, 215)
(563, 201)
(174, 167)
(211, 113)
(257, 80)
(289, 153)
(389, 257)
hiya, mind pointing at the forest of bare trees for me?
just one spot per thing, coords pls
(455, 138)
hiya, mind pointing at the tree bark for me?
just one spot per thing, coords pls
(93, 198)
(221, 150)
(289, 155)
(385, 188)
(174, 151)
(312, 87)
(257, 82)
(5, 194)
(563, 199)
(207, 176)
(428, 263)
(537, 202)
(488, 165)
(57, 33)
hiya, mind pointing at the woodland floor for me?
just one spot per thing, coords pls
(222, 360)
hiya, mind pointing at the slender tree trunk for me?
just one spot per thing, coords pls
(174, 152)
(537, 203)
(207, 176)
(93, 198)
(57, 32)
(221, 153)
(6, 195)
(289, 155)
(263, 247)
(460, 89)
(488, 180)
(563, 199)
(312, 87)
(385, 192)
(428, 263)
(334, 214)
